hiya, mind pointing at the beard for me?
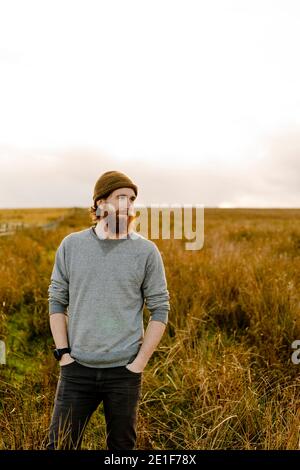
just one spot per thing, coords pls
(120, 223)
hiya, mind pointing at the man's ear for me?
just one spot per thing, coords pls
(99, 208)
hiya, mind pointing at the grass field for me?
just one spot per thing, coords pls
(222, 376)
(31, 216)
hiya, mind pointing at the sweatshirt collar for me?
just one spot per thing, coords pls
(99, 235)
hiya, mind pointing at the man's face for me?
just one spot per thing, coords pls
(119, 206)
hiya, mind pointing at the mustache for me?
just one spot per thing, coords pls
(117, 213)
(120, 224)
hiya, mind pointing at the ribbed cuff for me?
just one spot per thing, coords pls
(56, 307)
(160, 315)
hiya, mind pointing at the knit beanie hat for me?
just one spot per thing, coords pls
(111, 180)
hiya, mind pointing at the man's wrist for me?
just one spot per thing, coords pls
(60, 352)
(139, 362)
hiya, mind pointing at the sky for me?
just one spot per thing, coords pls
(197, 101)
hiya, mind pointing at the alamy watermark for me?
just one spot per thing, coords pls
(296, 354)
(2, 352)
(183, 218)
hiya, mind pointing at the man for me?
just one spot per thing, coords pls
(101, 278)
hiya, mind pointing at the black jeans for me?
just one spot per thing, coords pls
(80, 390)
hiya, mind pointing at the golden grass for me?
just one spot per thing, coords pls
(222, 377)
(31, 216)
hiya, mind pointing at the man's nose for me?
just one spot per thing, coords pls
(125, 206)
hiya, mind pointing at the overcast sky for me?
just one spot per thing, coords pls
(197, 101)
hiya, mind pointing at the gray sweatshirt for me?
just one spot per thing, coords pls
(102, 284)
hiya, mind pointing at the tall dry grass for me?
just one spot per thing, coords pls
(222, 377)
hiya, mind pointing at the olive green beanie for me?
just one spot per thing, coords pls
(111, 180)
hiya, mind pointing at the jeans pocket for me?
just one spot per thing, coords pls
(68, 365)
(131, 372)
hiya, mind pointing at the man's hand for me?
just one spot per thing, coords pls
(154, 332)
(66, 359)
(134, 367)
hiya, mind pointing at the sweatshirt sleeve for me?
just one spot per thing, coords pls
(154, 287)
(58, 290)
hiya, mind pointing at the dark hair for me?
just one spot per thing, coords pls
(92, 212)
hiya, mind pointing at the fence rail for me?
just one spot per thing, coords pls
(9, 228)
